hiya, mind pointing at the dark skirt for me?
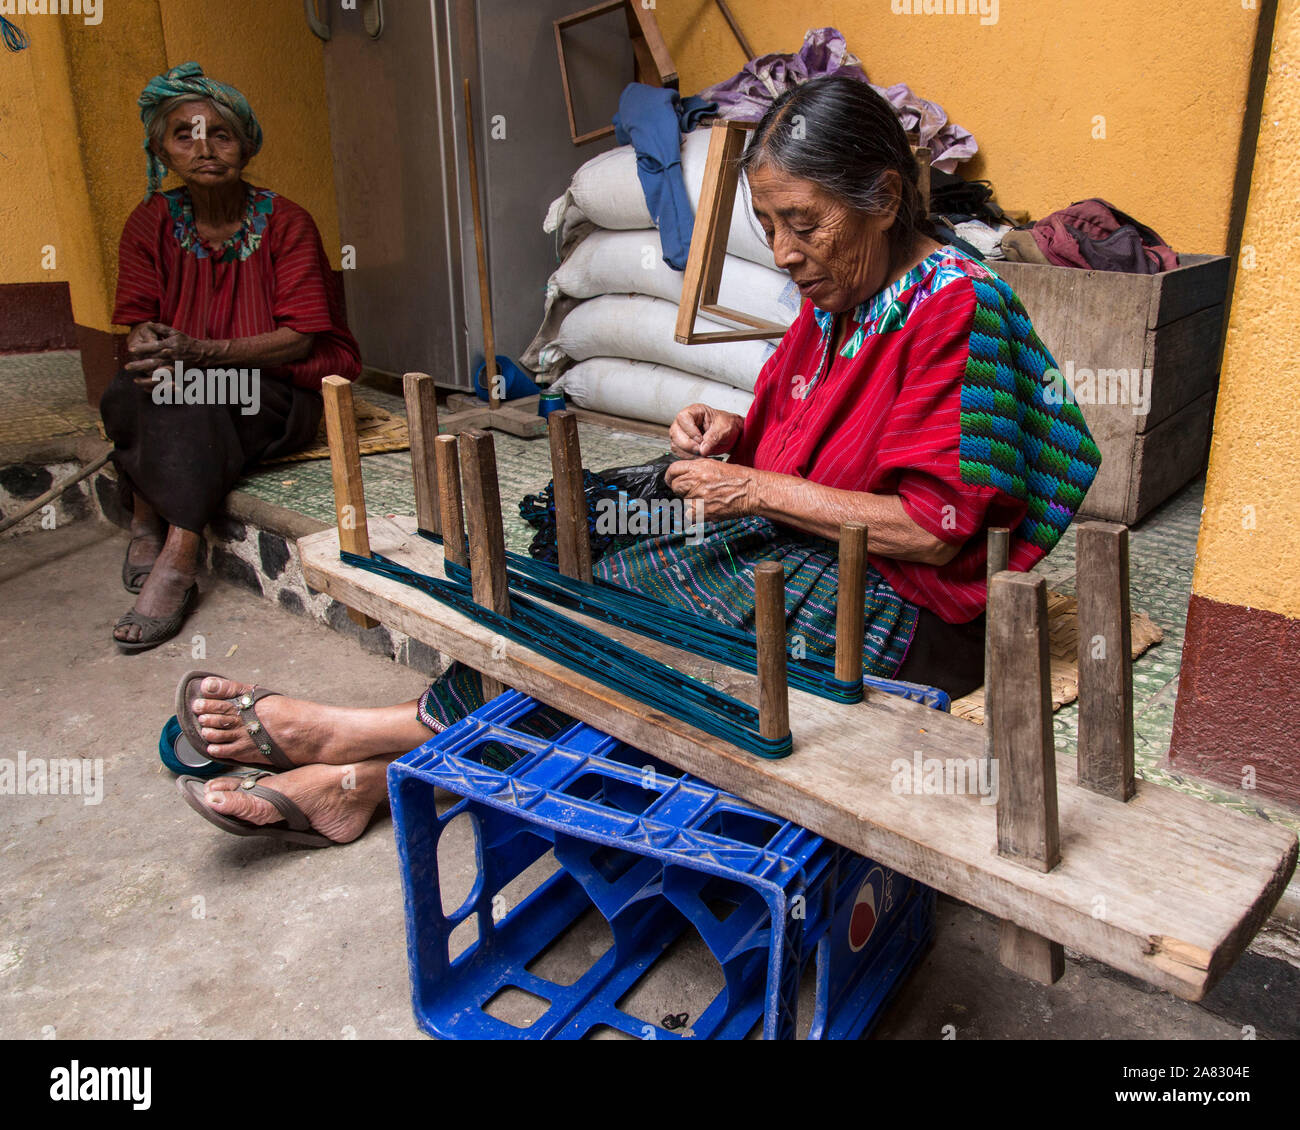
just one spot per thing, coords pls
(183, 459)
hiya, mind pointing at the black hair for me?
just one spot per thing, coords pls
(837, 132)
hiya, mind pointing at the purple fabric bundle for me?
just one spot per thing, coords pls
(746, 96)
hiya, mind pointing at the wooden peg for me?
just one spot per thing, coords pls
(422, 423)
(1024, 754)
(572, 537)
(999, 548)
(1105, 660)
(345, 470)
(850, 602)
(447, 461)
(769, 621)
(487, 546)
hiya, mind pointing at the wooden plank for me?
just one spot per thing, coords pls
(422, 423)
(345, 471)
(1105, 660)
(572, 536)
(1029, 954)
(1221, 871)
(1024, 752)
(1023, 742)
(851, 602)
(490, 376)
(487, 543)
(726, 313)
(1200, 281)
(769, 622)
(1183, 357)
(450, 508)
(660, 65)
(1170, 456)
(999, 548)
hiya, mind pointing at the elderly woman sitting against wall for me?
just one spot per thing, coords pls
(908, 395)
(235, 318)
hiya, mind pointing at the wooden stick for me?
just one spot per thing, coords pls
(850, 602)
(769, 618)
(1105, 660)
(1023, 744)
(572, 537)
(1024, 753)
(735, 29)
(345, 470)
(447, 460)
(484, 287)
(422, 423)
(487, 545)
(999, 542)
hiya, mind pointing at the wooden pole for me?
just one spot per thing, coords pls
(999, 543)
(422, 423)
(769, 617)
(1105, 660)
(735, 30)
(484, 287)
(487, 546)
(1024, 755)
(450, 510)
(850, 602)
(572, 537)
(345, 470)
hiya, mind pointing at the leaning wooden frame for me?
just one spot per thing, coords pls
(654, 64)
(708, 254)
(1062, 851)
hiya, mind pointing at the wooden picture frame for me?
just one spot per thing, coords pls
(654, 63)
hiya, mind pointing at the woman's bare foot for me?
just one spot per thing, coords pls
(339, 800)
(307, 732)
(170, 579)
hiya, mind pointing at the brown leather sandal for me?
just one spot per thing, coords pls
(187, 690)
(295, 830)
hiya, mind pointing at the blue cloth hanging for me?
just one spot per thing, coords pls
(652, 119)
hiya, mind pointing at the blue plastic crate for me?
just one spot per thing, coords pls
(656, 852)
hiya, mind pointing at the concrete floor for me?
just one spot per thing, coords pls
(133, 918)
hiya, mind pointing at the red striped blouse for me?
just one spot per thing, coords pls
(884, 418)
(274, 273)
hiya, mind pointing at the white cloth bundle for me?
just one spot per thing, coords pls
(607, 193)
(640, 391)
(641, 329)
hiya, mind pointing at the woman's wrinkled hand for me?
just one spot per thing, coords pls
(153, 345)
(701, 430)
(723, 491)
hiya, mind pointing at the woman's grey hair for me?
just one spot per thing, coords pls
(158, 127)
(837, 132)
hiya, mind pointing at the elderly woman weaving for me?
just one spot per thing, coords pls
(907, 395)
(235, 317)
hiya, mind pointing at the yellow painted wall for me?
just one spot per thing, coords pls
(71, 132)
(1249, 548)
(27, 219)
(1170, 77)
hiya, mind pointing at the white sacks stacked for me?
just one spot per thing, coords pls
(611, 309)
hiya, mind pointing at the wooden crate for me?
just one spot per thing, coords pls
(1170, 324)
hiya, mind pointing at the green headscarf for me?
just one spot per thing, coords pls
(189, 79)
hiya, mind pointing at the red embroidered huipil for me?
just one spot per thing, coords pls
(884, 418)
(272, 273)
